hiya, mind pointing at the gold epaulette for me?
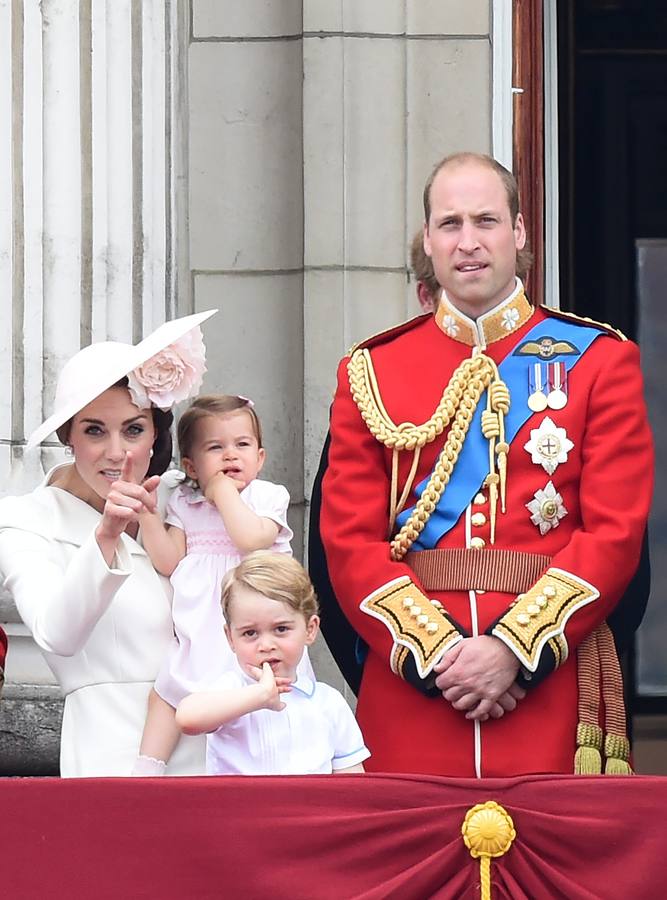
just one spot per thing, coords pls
(584, 320)
(389, 334)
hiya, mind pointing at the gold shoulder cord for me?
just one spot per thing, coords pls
(586, 320)
(455, 409)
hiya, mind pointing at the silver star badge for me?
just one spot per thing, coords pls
(547, 508)
(548, 445)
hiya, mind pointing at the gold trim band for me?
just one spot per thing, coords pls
(541, 613)
(414, 622)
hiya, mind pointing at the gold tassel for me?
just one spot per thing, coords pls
(616, 743)
(588, 758)
(617, 752)
(491, 482)
(499, 396)
(502, 449)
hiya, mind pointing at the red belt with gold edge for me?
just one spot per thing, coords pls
(468, 569)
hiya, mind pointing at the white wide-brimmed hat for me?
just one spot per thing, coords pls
(98, 367)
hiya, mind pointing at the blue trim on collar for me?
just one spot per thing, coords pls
(305, 686)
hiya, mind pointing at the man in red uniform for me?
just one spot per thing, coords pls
(488, 484)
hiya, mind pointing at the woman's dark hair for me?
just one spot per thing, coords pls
(162, 445)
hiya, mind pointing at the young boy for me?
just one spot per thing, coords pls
(261, 719)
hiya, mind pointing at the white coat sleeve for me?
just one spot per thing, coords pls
(60, 603)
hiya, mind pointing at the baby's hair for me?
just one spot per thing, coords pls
(276, 576)
(212, 405)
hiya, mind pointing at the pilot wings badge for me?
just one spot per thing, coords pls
(546, 348)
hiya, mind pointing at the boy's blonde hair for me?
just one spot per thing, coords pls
(276, 576)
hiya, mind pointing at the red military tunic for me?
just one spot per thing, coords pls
(604, 486)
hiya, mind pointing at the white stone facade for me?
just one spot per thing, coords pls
(265, 157)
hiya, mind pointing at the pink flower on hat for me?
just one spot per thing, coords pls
(172, 375)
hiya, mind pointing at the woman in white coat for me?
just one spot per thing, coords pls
(71, 552)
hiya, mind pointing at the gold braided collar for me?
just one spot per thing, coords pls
(498, 323)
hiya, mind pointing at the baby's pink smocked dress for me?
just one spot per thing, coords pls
(200, 652)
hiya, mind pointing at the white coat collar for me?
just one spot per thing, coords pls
(56, 515)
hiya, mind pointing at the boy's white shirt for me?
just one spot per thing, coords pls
(316, 733)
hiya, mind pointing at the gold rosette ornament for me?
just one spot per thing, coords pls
(488, 831)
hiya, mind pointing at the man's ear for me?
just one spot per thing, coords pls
(228, 635)
(427, 240)
(426, 300)
(520, 232)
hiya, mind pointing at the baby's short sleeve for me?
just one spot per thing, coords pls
(347, 739)
(174, 514)
(272, 501)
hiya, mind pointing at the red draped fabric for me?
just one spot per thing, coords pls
(365, 837)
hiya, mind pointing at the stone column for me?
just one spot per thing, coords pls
(389, 89)
(246, 215)
(88, 179)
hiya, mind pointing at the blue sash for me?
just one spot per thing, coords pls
(472, 466)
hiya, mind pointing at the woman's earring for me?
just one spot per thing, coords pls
(151, 452)
(68, 450)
